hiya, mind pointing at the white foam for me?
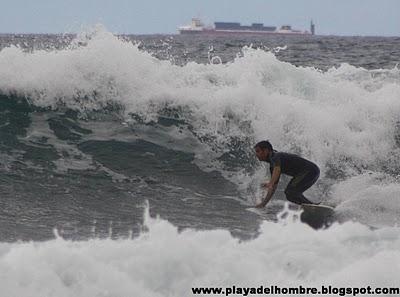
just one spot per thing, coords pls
(370, 198)
(325, 114)
(72, 158)
(165, 262)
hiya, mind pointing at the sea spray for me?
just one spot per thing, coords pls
(165, 262)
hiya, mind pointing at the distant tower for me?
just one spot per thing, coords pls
(312, 28)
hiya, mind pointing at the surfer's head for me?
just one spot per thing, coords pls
(263, 150)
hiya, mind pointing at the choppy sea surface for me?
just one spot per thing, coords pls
(127, 164)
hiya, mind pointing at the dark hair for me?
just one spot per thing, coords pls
(265, 144)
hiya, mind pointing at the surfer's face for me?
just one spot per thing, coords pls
(262, 154)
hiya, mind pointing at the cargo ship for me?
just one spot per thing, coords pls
(197, 27)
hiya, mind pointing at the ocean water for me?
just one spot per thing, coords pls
(127, 164)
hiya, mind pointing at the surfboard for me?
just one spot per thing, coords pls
(317, 216)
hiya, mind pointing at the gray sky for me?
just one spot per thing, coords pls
(339, 17)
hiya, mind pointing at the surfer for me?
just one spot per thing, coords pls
(304, 173)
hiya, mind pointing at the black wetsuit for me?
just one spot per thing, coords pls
(304, 173)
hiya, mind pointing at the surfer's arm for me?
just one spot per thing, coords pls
(276, 174)
(267, 198)
(272, 185)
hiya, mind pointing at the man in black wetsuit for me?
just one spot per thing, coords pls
(304, 173)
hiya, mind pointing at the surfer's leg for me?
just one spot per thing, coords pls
(296, 197)
(299, 184)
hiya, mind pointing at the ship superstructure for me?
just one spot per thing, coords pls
(197, 27)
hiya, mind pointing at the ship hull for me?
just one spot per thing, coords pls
(239, 32)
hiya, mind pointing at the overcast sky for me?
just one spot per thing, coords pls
(338, 17)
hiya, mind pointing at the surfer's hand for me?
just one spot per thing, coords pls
(265, 185)
(268, 186)
(260, 205)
